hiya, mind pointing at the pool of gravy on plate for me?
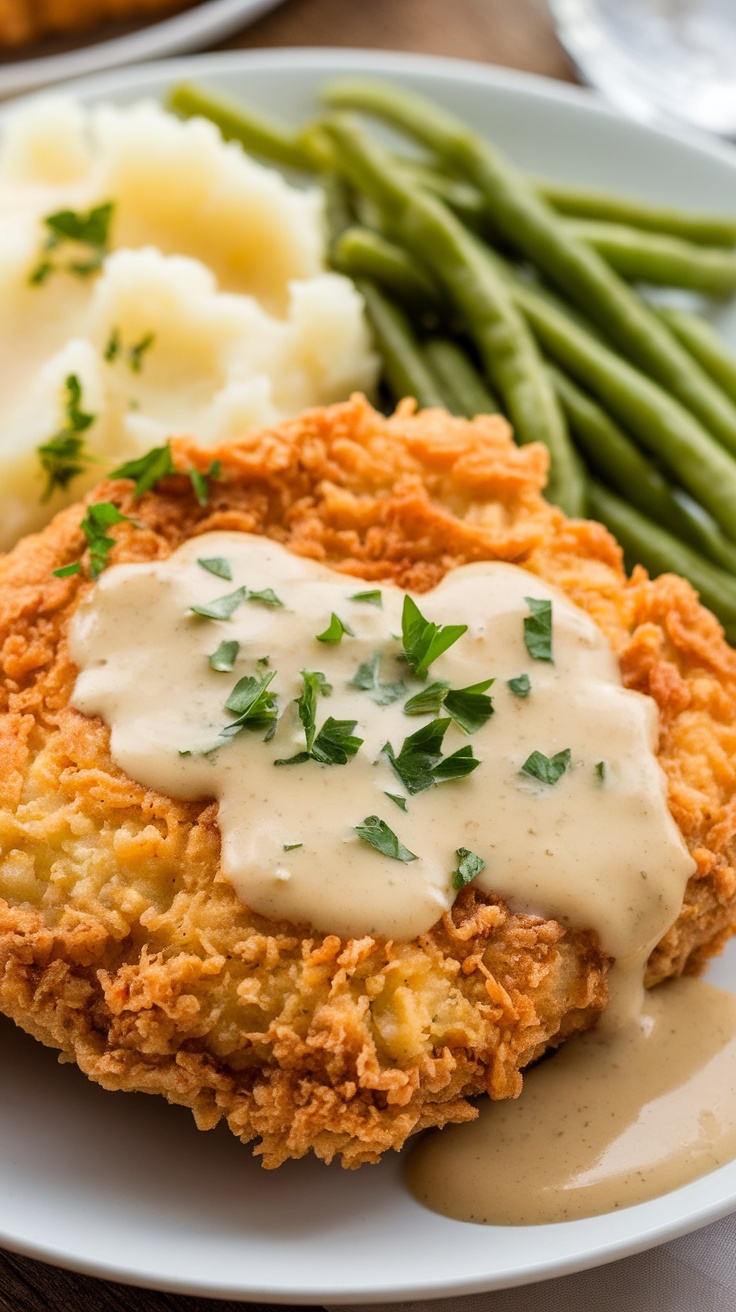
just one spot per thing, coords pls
(612, 1119)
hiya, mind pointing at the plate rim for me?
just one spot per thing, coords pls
(542, 89)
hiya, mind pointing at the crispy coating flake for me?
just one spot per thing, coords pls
(121, 943)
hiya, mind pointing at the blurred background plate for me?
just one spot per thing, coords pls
(201, 25)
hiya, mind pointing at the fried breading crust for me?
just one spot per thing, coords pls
(122, 944)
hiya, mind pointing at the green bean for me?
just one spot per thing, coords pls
(615, 459)
(582, 203)
(338, 212)
(468, 394)
(361, 253)
(657, 420)
(461, 197)
(505, 345)
(661, 553)
(258, 134)
(705, 345)
(533, 227)
(404, 367)
(662, 261)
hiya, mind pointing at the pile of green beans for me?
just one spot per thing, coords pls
(490, 291)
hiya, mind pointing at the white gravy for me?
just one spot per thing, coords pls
(611, 1120)
(593, 852)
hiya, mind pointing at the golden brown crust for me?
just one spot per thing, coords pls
(122, 945)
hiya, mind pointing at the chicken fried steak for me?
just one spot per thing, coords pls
(123, 945)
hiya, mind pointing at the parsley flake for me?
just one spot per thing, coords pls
(253, 705)
(100, 516)
(367, 679)
(64, 455)
(600, 769)
(398, 799)
(200, 483)
(66, 571)
(217, 565)
(291, 847)
(547, 769)
(468, 707)
(147, 470)
(112, 348)
(138, 350)
(267, 596)
(377, 833)
(420, 762)
(222, 608)
(335, 743)
(520, 686)
(372, 598)
(335, 630)
(424, 641)
(91, 230)
(469, 865)
(225, 657)
(538, 629)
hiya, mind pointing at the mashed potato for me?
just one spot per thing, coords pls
(212, 312)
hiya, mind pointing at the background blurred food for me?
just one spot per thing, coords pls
(23, 21)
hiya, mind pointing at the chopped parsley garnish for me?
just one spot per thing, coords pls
(64, 455)
(267, 596)
(147, 470)
(291, 847)
(100, 516)
(547, 769)
(222, 608)
(377, 833)
(600, 769)
(66, 571)
(367, 679)
(373, 598)
(134, 354)
(91, 230)
(398, 799)
(335, 630)
(335, 743)
(538, 629)
(112, 348)
(469, 865)
(157, 463)
(420, 763)
(520, 686)
(217, 565)
(200, 483)
(424, 641)
(468, 707)
(225, 657)
(253, 705)
(138, 350)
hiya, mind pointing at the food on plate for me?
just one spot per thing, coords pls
(458, 239)
(24, 21)
(153, 280)
(123, 942)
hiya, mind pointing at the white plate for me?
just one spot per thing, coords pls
(208, 22)
(124, 1186)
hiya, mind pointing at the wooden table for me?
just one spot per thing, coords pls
(516, 33)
